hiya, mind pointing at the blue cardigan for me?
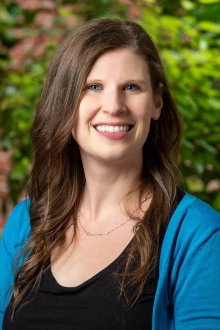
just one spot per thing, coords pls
(188, 291)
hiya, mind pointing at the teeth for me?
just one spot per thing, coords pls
(112, 129)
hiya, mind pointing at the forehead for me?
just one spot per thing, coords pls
(121, 63)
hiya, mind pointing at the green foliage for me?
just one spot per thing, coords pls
(188, 36)
(18, 100)
(190, 51)
(20, 86)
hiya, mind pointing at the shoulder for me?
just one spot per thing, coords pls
(195, 216)
(17, 227)
(188, 271)
(192, 215)
(192, 225)
(14, 235)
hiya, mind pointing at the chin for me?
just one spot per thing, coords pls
(111, 155)
(117, 157)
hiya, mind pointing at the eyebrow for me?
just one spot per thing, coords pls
(129, 81)
(137, 81)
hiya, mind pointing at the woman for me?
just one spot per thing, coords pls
(106, 240)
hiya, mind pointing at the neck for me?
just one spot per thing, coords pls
(106, 185)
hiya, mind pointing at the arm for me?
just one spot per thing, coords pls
(6, 270)
(188, 290)
(15, 231)
(196, 297)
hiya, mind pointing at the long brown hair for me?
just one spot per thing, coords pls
(57, 179)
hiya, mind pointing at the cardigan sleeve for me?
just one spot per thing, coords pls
(196, 292)
(15, 232)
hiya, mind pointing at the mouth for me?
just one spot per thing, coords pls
(113, 129)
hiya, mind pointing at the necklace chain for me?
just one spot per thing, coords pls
(106, 232)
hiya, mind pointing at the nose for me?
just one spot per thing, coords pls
(113, 102)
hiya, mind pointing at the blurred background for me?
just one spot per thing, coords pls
(188, 36)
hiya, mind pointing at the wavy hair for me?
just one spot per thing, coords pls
(57, 178)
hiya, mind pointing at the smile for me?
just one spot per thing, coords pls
(112, 129)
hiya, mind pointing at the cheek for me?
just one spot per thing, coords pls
(143, 107)
(76, 128)
(86, 111)
(144, 116)
(144, 122)
(82, 124)
(74, 133)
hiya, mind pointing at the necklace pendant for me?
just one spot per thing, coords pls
(105, 233)
(88, 234)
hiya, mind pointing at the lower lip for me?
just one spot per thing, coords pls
(114, 135)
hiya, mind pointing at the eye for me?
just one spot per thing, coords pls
(132, 87)
(93, 87)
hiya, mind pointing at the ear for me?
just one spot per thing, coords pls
(158, 105)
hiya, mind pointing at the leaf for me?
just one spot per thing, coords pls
(194, 184)
(214, 138)
(216, 202)
(207, 146)
(209, 26)
(64, 12)
(188, 5)
(214, 104)
(203, 44)
(208, 2)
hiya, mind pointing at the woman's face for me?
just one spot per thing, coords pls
(116, 108)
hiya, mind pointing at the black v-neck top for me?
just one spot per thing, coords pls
(93, 305)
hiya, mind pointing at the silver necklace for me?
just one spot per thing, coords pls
(105, 232)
